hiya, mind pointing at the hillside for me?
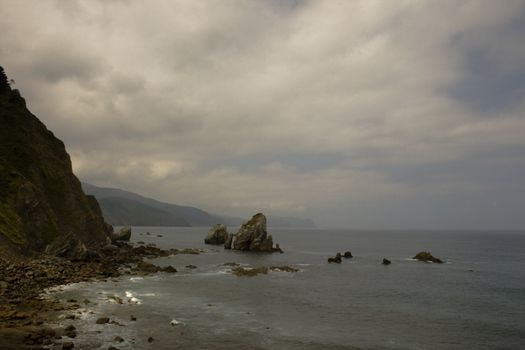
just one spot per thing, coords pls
(122, 207)
(41, 201)
(127, 208)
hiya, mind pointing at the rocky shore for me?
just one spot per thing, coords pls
(24, 310)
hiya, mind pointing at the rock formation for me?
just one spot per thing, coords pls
(386, 261)
(124, 234)
(218, 234)
(41, 201)
(347, 255)
(252, 236)
(336, 259)
(427, 257)
(229, 241)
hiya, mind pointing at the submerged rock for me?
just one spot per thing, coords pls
(218, 234)
(386, 261)
(347, 255)
(427, 257)
(254, 271)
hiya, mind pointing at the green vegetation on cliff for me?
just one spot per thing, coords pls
(40, 197)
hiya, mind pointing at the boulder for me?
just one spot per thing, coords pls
(102, 320)
(386, 262)
(218, 234)
(336, 259)
(252, 236)
(347, 255)
(124, 234)
(427, 257)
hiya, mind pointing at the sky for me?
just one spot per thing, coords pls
(357, 114)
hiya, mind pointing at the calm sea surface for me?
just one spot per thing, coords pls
(476, 300)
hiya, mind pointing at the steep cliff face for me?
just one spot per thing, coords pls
(41, 200)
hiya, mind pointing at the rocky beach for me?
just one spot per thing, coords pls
(23, 281)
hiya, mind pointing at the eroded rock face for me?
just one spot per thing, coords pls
(252, 236)
(427, 257)
(218, 234)
(124, 234)
(229, 241)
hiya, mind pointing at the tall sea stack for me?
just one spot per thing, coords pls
(42, 205)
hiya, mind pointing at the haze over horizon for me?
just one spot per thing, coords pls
(360, 114)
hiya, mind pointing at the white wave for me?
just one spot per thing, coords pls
(174, 322)
(132, 299)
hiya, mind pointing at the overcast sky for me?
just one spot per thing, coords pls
(360, 114)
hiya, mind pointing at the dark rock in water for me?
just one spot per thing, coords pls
(191, 266)
(254, 271)
(124, 234)
(114, 348)
(218, 234)
(41, 200)
(150, 340)
(386, 262)
(147, 267)
(70, 328)
(231, 264)
(102, 320)
(229, 241)
(277, 249)
(347, 254)
(427, 257)
(252, 236)
(118, 339)
(67, 345)
(336, 259)
(132, 318)
(169, 269)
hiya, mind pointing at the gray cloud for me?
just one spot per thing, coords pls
(365, 114)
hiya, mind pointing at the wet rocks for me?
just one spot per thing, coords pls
(254, 271)
(102, 320)
(118, 339)
(336, 259)
(191, 267)
(67, 345)
(169, 269)
(218, 234)
(347, 255)
(386, 261)
(427, 257)
(70, 331)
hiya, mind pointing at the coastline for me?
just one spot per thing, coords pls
(25, 310)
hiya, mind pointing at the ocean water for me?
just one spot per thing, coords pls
(476, 300)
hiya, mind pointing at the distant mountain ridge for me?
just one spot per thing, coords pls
(121, 207)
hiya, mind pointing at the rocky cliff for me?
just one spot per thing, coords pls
(41, 201)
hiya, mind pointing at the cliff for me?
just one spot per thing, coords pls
(41, 201)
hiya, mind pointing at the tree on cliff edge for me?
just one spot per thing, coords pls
(4, 82)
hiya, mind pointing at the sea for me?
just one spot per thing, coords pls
(475, 300)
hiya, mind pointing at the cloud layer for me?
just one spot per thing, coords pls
(366, 114)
